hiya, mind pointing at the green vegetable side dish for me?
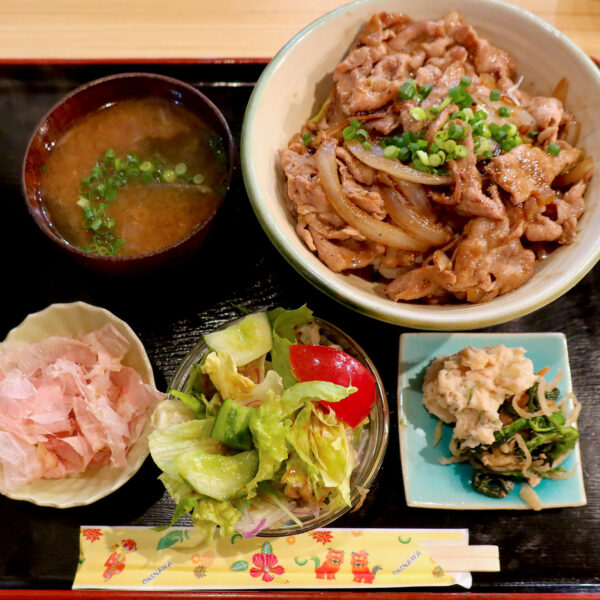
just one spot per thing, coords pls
(546, 437)
(247, 446)
(509, 422)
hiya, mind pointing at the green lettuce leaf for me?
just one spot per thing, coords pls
(297, 482)
(321, 442)
(333, 454)
(300, 393)
(221, 369)
(166, 444)
(269, 431)
(196, 405)
(178, 489)
(197, 383)
(210, 514)
(284, 324)
(171, 412)
(212, 405)
(299, 438)
(280, 359)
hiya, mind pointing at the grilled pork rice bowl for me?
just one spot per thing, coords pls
(294, 87)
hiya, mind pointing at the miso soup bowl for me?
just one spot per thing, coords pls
(298, 80)
(90, 98)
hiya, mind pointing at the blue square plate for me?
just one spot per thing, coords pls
(429, 484)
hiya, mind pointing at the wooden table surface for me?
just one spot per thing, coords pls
(192, 29)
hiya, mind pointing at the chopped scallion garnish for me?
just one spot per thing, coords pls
(417, 113)
(461, 151)
(553, 149)
(425, 90)
(435, 160)
(408, 90)
(456, 131)
(449, 146)
(351, 132)
(391, 151)
(495, 95)
(423, 157)
(99, 190)
(169, 175)
(441, 136)
(307, 139)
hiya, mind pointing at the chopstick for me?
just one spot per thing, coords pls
(457, 557)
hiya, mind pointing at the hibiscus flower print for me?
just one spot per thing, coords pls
(265, 566)
(129, 545)
(91, 534)
(322, 537)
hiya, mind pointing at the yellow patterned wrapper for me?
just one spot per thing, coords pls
(139, 558)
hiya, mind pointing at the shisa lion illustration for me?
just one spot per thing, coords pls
(360, 567)
(329, 568)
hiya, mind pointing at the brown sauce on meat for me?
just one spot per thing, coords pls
(151, 215)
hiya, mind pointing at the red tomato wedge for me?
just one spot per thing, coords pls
(322, 363)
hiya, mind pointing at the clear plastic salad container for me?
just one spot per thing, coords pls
(371, 448)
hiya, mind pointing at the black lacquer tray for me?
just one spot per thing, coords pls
(550, 551)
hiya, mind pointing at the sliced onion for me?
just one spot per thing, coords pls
(403, 214)
(417, 195)
(510, 92)
(556, 380)
(371, 228)
(323, 109)
(524, 413)
(374, 158)
(571, 132)
(528, 495)
(541, 394)
(523, 446)
(519, 116)
(450, 461)
(441, 260)
(572, 420)
(562, 403)
(556, 475)
(578, 172)
(561, 90)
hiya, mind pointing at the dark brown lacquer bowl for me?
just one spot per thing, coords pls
(88, 99)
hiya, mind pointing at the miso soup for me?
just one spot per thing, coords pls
(134, 177)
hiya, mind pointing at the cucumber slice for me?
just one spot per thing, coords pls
(216, 476)
(232, 425)
(245, 341)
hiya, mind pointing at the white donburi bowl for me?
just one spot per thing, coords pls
(73, 320)
(298, 80)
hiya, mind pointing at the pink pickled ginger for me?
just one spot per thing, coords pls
(67, 405)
